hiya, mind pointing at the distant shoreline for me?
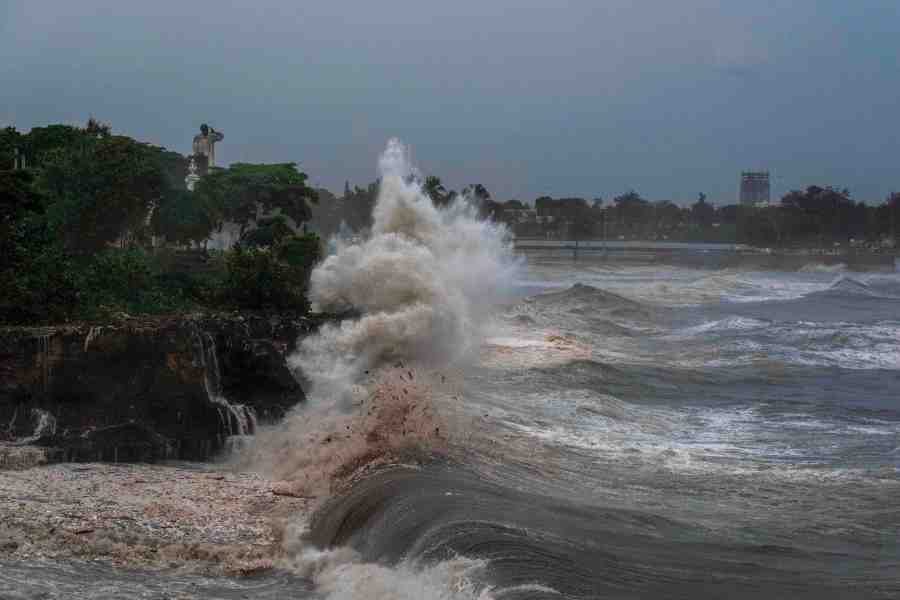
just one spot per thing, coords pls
(806, 250)
(711, 255)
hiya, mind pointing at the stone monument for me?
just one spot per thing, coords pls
(205, 147)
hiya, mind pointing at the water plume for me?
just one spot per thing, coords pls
(424, 281)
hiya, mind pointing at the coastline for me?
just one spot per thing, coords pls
(711, 255)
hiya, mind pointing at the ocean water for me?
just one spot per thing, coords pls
(660, 432)
(493, 427)
(630, 432)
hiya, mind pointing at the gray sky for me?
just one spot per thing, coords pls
(586, 98)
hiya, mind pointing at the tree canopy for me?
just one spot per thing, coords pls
(243, 191)
(76, 226)
(101, 188)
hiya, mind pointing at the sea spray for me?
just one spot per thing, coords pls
(341, 575)
(425, 280)
(320, 450)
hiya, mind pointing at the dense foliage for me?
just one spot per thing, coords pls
(819, 216)
(242, 192)
(814, 217)
(98, 225)
(101, 189)
(259, 277)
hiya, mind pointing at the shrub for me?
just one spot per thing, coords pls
(301, 251)
(115, 281)
(256, 279)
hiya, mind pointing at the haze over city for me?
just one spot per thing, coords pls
(579, 98)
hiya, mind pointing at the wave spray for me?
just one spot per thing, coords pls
(423, 283)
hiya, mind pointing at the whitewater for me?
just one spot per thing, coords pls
(488, 427)
(581, 429)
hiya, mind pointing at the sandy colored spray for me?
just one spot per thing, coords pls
(424, 280)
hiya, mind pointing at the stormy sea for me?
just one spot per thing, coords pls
(499, 427)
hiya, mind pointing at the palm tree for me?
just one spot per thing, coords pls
(435, 190)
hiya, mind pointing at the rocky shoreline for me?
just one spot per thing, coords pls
(96, 421)
(148, 389)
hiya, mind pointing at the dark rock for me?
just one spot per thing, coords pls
(147, 389)
(128, 442)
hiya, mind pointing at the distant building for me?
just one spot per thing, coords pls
(754, 188)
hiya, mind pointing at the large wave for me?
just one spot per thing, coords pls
(423, 282)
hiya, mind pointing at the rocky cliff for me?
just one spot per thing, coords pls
(147, 389)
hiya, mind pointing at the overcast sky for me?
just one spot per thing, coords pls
(585, 98)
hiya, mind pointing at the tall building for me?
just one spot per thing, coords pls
(754, 188)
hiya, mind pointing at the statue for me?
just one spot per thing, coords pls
(205, 146)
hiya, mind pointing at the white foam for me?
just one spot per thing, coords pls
(426, 280)
(340, 574)
(727, 324)
(44, 424)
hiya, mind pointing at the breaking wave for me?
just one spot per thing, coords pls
(847, 286)
(424, 282)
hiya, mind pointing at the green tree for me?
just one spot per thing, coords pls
(237, 194)
(39, 282)
(41, 142)
(10, 141)
(668, 216)
(300, 252)
(702, 212)
(257, 279)
(100, 189)
(181, 218)
(268, 233)
(434, 189)
(631, 211)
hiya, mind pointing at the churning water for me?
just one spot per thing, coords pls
(612, 432)
(559, 429)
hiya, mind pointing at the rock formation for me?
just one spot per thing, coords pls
(146, 389)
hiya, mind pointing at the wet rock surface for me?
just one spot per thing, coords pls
(147, 389)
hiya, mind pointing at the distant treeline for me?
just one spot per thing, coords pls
(817, 216)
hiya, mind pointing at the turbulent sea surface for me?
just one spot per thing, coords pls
(666, 433)
(598, 430)
(631, 432)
